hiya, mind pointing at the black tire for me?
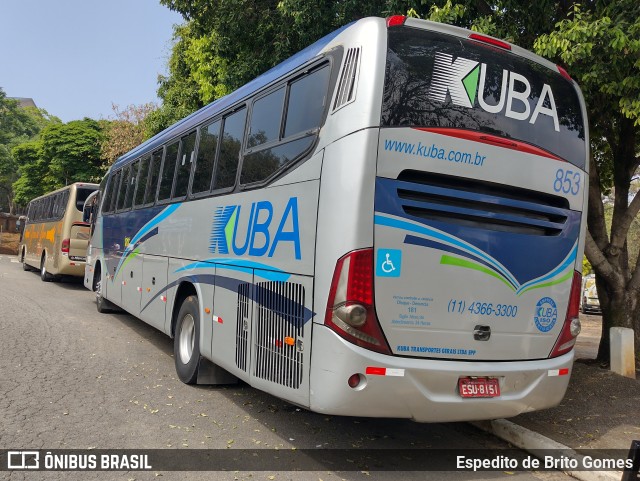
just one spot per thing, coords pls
(102, 305)
(186, 345)
(44, 275)
(25, 266)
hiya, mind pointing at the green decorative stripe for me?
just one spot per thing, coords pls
(131, 255)
(454, 261)
(568, 275)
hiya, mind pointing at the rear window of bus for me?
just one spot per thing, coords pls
(434, 80)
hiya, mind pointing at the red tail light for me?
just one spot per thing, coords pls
(396, 20)
(66, 243)
(564, 73)
(350, 311)
(490, 40)
(571, 327)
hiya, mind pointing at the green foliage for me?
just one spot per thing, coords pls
(602, 47)
(73, 151)
(63, 154)
(17, 125)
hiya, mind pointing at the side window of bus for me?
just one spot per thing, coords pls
(49, 214)
(61, 204)
(266, 118)
(141, 185)
(207, 148)
(232, 135)
(168, 169)
(128, 201)
(307, 100)
(305, 108)
(124, 183)
(187, 154)
(154, 174)
(114, 190)
(55, 203)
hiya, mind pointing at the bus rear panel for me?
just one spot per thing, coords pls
(466, 305)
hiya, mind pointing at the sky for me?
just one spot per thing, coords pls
(75, 58)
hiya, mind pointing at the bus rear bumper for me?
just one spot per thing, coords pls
(69, 267)
(426, 390)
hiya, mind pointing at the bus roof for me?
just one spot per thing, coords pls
(217, 106)
(74, 184)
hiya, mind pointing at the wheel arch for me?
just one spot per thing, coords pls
(97, 268)
(185, 289)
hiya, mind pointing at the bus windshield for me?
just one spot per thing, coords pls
(437, 80)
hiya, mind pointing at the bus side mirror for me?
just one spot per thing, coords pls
(86, 214)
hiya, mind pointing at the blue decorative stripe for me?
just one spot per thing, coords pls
(232, 284)
(442, 236)
(421, 241)
(241, 265)
(522, 255)
(464, 251)
(146, 232)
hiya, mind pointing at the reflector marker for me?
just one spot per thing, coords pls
(139, 289)
(163, 298)
(384, 371)
(558, 372)
(218, 320)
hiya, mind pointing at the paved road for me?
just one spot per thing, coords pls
(73, 378)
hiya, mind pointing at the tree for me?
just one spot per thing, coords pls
(600, 44)
(63, 154)
(73, 151)
(126, 131)
(17, 125)
(34, 169)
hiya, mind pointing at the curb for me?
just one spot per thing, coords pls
(530, 441)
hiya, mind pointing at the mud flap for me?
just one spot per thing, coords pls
(210, 373)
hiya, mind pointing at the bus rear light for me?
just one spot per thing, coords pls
(490, 40)
(66, 244)
(564, 73)
(571, 327)
(356, 381)
(396, 20)
(350, 311)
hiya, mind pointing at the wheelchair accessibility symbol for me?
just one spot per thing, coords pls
(388, 263)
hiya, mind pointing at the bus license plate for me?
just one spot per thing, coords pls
(479, 387)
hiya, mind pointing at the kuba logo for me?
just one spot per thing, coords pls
(465, 81)
(258, 239)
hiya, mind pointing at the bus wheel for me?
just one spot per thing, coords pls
(44, 275)
(25, 266)
(186, 346)
(102, 304)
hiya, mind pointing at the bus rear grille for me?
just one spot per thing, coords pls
(278, 332)
(479, 204)
(242, 327)
(347, 84)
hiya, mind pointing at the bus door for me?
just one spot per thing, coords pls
(78, 242)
